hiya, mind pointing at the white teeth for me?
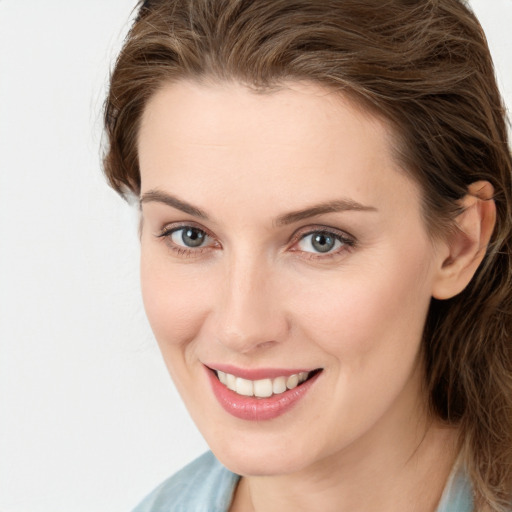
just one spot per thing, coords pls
(231, 382)
(293, 381)
(279, 385)
(262, 388)
(244, 387)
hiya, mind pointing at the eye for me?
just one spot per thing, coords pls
(189, 236)
(323, 242)
(187, 240)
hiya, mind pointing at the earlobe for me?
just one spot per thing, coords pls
(466, 246)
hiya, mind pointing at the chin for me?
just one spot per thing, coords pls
(260, 463)
(262, 455)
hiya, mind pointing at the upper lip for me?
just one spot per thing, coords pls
(258, 373)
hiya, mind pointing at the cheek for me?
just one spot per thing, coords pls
(369, 325)
(374, 309)
(174, 300)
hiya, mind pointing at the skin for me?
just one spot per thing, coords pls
(257, 294)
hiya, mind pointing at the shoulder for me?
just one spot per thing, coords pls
(458, 494)
(204, 485)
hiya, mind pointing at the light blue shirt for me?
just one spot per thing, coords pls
(205, 485)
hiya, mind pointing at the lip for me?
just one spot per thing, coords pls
(257, 373)
(257, 409)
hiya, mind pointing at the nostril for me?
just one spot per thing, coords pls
(266, 344)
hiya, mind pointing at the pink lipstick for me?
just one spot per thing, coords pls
(263, 394)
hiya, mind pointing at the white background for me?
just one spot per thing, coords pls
(89, 420)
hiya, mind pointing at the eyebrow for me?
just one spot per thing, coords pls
(162, 197)
(339, 205)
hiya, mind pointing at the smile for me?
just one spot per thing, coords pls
(262, 388)
(265, 396)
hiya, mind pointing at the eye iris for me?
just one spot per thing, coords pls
(193, 237)
(323, 242)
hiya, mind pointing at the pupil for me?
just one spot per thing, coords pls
(193, 237)
(323, 243)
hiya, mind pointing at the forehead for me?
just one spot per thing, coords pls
(302, 140)
(285, 111)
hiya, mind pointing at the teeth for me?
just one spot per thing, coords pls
(231, 382)
(263, 388)
(279, 385)
(293, 381)
(244, 387)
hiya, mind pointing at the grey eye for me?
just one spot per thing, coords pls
(319, 242)
(189, 237)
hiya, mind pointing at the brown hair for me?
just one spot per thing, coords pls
(425, 67)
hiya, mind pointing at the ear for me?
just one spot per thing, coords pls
(464, 249)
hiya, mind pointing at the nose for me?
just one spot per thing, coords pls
(250, 314)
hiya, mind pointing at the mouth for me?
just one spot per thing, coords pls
(264, 388)
(257, 395)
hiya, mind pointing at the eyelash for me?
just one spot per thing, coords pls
(167, 233)
(348, 242)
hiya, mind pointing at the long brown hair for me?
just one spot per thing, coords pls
(424, 66)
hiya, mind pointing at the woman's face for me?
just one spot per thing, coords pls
(280, 242)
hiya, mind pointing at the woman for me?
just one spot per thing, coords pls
(325, 192)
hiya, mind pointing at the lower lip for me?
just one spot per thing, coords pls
(258, 409)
